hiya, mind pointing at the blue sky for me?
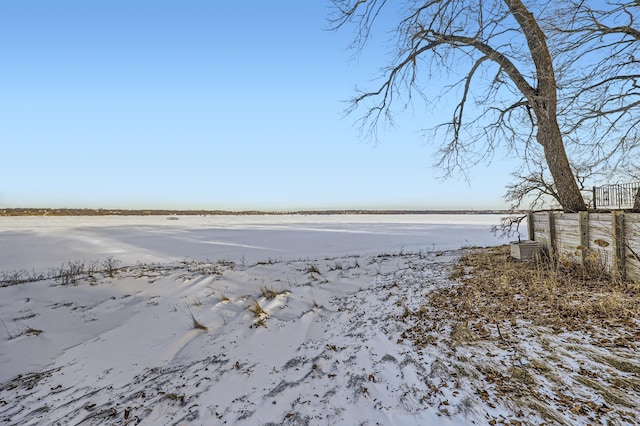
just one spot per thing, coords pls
(205, 105)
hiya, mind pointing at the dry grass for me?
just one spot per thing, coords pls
(494, 288)
(198, 325)
(259, 313)
(499, 303)
(256, 309)
(32, 331)
(270, 293)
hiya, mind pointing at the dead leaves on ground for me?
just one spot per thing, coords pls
(497, 302)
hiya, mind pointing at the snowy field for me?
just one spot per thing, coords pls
(256, 320)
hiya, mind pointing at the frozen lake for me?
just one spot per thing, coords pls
(46, 242)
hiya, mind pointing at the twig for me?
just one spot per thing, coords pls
(636, 255)
(500, 334)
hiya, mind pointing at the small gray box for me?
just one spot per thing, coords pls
(524, 250)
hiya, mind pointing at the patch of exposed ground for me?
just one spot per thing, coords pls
(549, 340)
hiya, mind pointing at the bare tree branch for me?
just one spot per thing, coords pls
(566, 75)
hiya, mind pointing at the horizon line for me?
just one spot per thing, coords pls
(69, 211)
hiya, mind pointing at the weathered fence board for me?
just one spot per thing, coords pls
(600, 238)
(613, 237)
(567, 235)
(540, 229)
(632, 225)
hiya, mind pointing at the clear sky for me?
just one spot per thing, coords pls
(205, 105)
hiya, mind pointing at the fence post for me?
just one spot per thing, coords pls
(552, 234)
(530, 226)
(583, 228)
(619, 249)
(594, 198)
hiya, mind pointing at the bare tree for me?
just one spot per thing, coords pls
(597, 69)
(600, 44)
(496, 61)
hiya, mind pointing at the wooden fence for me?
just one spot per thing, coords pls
(613, 237)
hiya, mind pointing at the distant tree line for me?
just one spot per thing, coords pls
(128, 212)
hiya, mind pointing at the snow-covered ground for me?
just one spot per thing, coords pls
(240, 320)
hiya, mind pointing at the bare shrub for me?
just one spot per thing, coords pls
(69, 272)
(110, 265)
(9, 278)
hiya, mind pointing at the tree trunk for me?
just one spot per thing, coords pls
(550, 138)
(544, 101)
